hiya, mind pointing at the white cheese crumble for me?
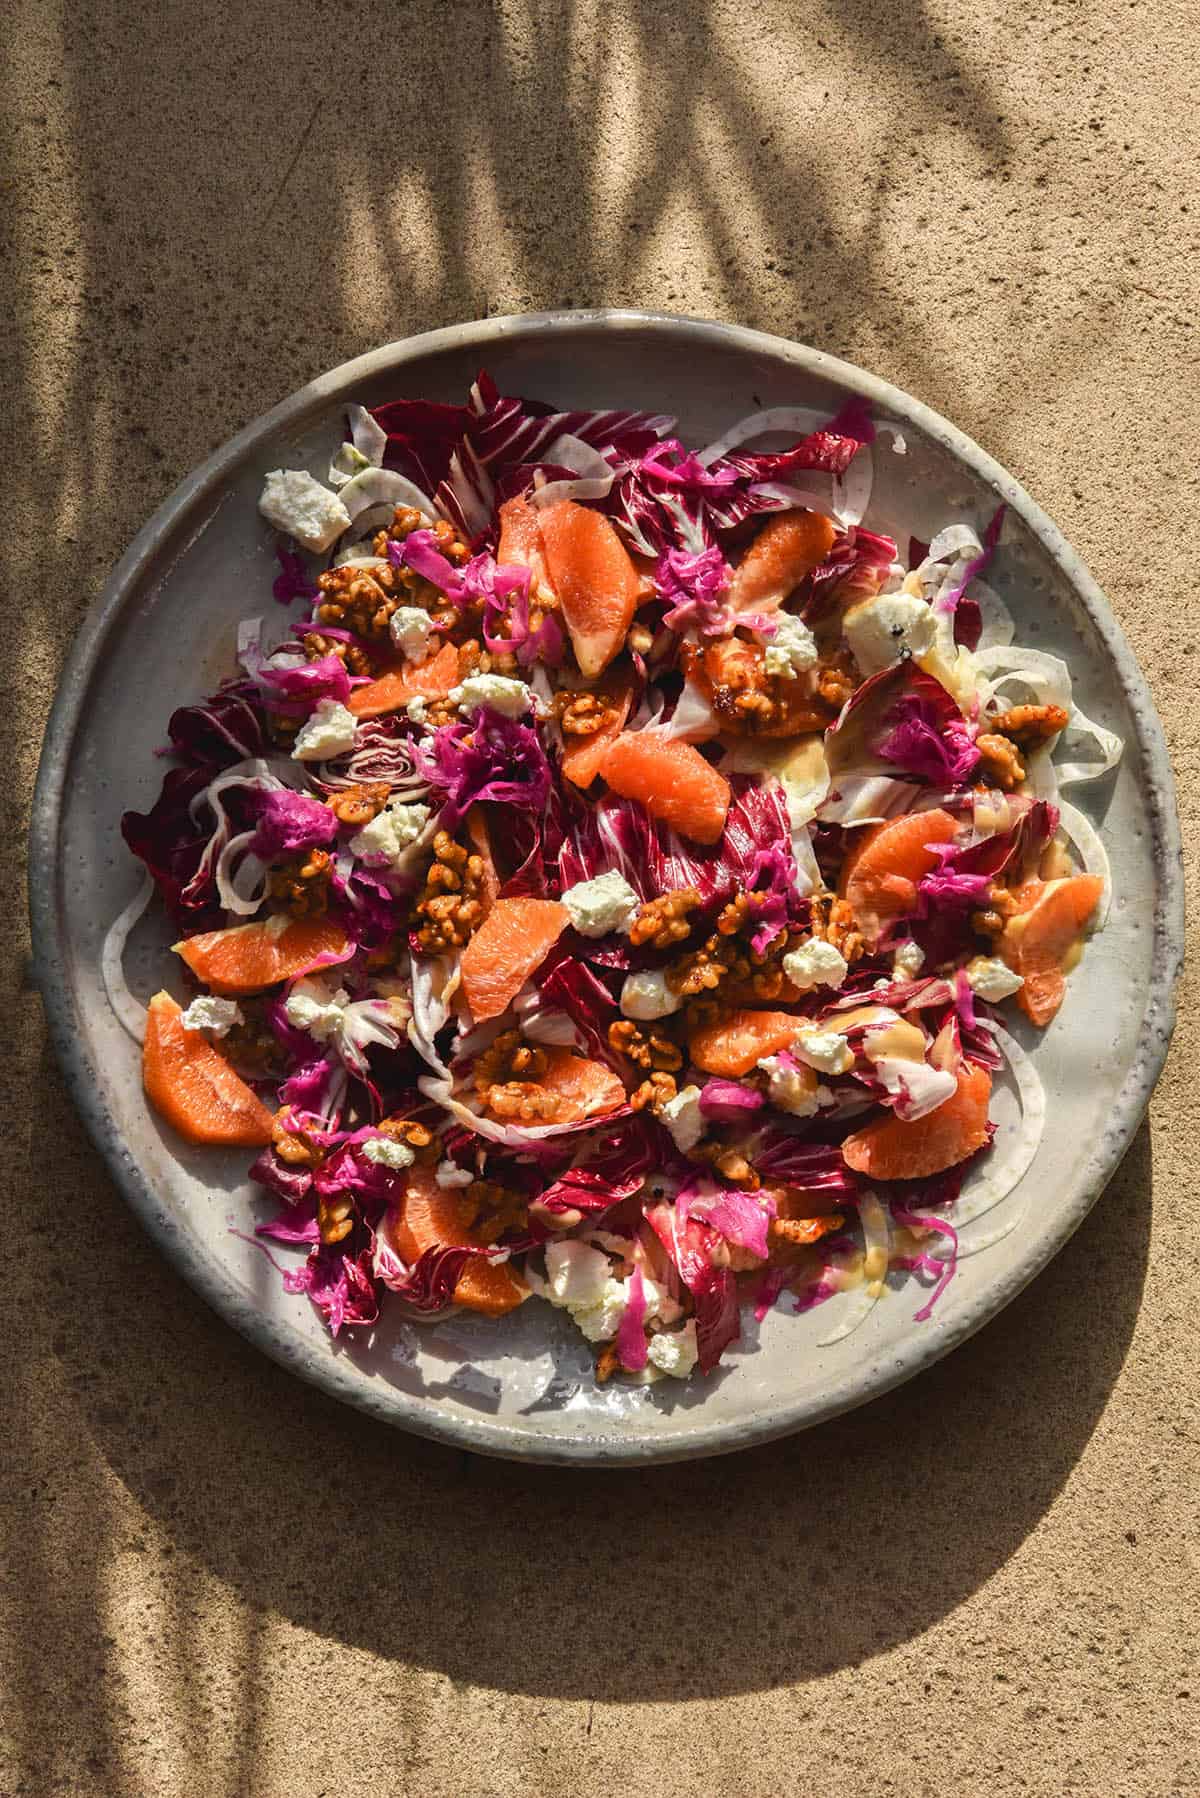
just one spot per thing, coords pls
(881, 629)
(448, 1173)
(794, 1089)
(328, 731)
(815, 964)
(294, 501)
(683, 1118)
(908, 961)
(791, 650)
(824, 1050)
(217, 1016)
(411, 629)
(601, 905)
(385, 1151)
(307, 1008)
(646, 995)
(383, 842)
(510, 697)
(992, 979)
(416, 709)
(675, 1351)
(578, 1280)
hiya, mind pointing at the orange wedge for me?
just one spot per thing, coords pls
(789, 546)
(1040, 942)
(194, 1088)
(596, 583)
(671, 779)
(585, 1088)
(891, 1149)
(886, 862)
(428, 1217)
(582, 756)
(512, 941)
(432, 679)
(739, 1040)
(248, 957)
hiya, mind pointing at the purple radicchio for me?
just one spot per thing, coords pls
(487, 757)
(290, 821)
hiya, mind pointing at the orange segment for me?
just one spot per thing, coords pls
(880, 874)
(194, 1088)
(736, 1042)
(582, 756)
(433, 679)
(596, 583)
(248, 957)
(891, 1149)
(789, 546)
(429, 1217)
(671, 779)
(512, 941)
(1038, 943)
(585, 1088)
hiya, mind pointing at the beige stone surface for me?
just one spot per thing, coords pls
(216, 1581)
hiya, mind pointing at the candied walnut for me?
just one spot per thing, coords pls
(664, 921)
(293, 1145)
(300, 885)
(799, 1232)
(352, 655)
(251, 1045)
(1000, 761)
(361, 600)
(835, 684)
(645, 1046)
(702, 971)
(508, 1058)
(450, 908)
(654, 1093)
(730, 1164)
(607, 1362)
(1030, 726)
(831, 920)
(417, 1137)
(335, 1216)
(581, 714)
(489, 1211)
(989, 920)
(357, 806)
(754, 703)
(523, 1102)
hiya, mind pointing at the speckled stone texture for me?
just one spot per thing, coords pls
(215, 1580)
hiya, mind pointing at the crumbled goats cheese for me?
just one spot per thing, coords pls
(294, 501)
(578, 1280)
(411, 628)
(880, 630)
(217, 1016)
(385, 1151)
(791, 650)
(448, 1173)
(601, 905)
(383, 842)
(908, 961)
(683, 1118)
(328, 731)
(991, 979)
(646, 995)
(824, 1050)
(793, 1089)
(510, 697)
(674, 1351)
(308, 1008)
(416, 708)
(815, 964)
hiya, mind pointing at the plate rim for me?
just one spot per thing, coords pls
(323, 1368)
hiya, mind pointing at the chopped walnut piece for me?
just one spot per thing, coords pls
(523, 1102)
(300, 885)
(418, 1137)
(451, 906)
(654, 1093)
(831, 920)
(664, 921)
(361, 600)
(352, 655)
(356, 806)
(1029, 726)
(645, 1046)
(989, 920)
(581, 714)
(730, 1164)
(607, 1362)
(508, 1058)
(335, 1216)
(1000, 761)
(489, 1210)
(292, 1145)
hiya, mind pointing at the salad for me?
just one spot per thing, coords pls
(601, 884)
